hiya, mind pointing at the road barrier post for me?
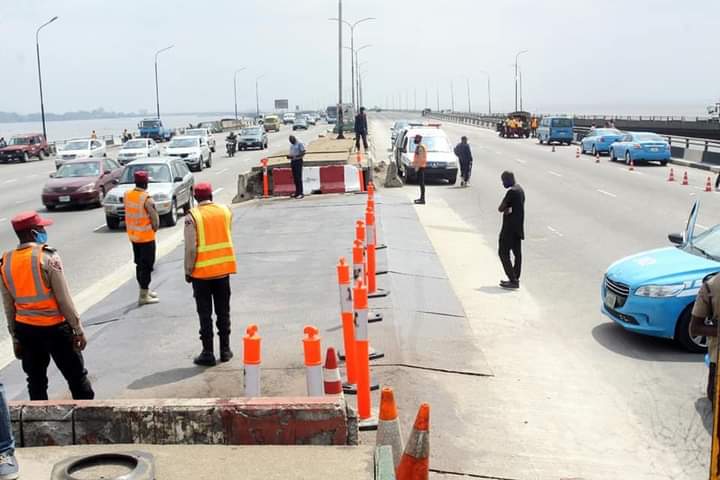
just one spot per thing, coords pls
(348, 323)
(251, 361)
(313, 362)
(266, 183)
(361, 176)
(364, 401)
(373, 291)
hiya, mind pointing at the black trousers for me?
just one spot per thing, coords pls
(208, 293)
(420, 174)
(712, 371)
(465, 168)
(144, 254)
(38, 345)
(297, 168)
(507, 244)
(358, 136)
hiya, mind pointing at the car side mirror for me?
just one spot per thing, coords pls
(676, 238)
(178, 179)
(107, 172)
(52, 175)
(115, 181)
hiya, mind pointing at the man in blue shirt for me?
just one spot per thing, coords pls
(297, 153)
(361, 129)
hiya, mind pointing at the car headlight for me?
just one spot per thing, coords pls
(193, 155)
(111, 199)
(451, 164)
(659, 290)
(161, 197)
(86, 188)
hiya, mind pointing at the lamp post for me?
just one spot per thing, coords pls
(37, 49)
(517, 56)
(452, 96)
(352, 46)
(157, 89)
(488, 90)
(257, 96)
(467, 80)
(357, 69)
(235, 88)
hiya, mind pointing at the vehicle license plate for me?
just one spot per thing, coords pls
(610, 300)
(64, 198)
(654, 149)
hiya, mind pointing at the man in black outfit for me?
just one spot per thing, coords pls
(361, 129)
(512, 232)
(297, 153)
(462, 151)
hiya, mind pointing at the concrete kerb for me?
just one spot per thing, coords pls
(208, 421)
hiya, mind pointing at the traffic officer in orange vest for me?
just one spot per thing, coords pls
(142, 221)
(41, 315)
(209, 262)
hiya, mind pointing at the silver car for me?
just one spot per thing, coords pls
(171, 185)
(137, 148)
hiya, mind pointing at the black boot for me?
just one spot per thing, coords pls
(207, 356)
(225, 353)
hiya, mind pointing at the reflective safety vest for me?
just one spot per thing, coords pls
(137, 221)
(215, 253)
(35, 303)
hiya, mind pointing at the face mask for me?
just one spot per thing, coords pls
(41, 237)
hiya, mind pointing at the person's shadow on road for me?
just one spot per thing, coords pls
(704, 409)
(165, 377)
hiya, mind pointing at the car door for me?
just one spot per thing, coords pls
(153, 149)
(109, 173)
(622, 146)
(589, 139)
(188, 180)
(179, 187)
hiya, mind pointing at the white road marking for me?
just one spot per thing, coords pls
(33, 175)
(520, 160)
(3, 219)
(554, 173)
(99, 227)
(698, 225)
(498, 152)
(698, 188)
(222, 171)
(18, 202)
(11, 180)
(556, 232)
(215, 192)
(607, 193)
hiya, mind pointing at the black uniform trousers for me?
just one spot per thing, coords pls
(712, 371)
(297, 167)
(362, 136)
(38, 345)
(465, 168)
(511, 243)
(420, 175)
(208, 293)
(144, 254)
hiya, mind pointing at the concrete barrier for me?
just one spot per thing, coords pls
(211, 421)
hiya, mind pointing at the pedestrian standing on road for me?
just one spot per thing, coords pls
(93, 135)
(361, 130)
(704, 322)
(533, 126)
(419, 163)
(209, 262)
(8, 463)
(297, 153)
(41, 316)
(512, 232)
(462, 151)
(142, 221)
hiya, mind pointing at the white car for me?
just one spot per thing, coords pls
(202, 132)
(194, 151)
(138, 148)
(441, 161)
(80, 148)
(289, 118)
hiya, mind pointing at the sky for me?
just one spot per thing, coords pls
(614, 56)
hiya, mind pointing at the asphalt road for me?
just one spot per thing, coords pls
(572, 393)
(90, 251)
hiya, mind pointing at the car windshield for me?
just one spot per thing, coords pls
(707, 243)
(84, 169)
(433, 144)
(135, 144)
(607, 131)
(157, 172)
(648, 137)
(183, 142)
(149, 124)
(562, 122)
(251, 131)
(400, 125)
(19, 141)
(196, 131)
(77, 145)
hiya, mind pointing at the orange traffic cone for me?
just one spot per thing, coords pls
(577, 153)
(415, 462)
(671, 177)
(685, 179)
(632, 165)
(708, 185)
(331, 374)
(388, 425)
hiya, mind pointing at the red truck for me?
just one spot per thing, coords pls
(23, 147)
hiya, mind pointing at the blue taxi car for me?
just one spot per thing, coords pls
(641, 146)
(652, 292)
(598, 140)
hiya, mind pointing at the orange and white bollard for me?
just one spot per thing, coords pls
(358, 261)
(685, 179)
(362, 350)
(251, 361)
(373, 291)
(708, 185)
(361, 175)
(332, 383)
(348, 322)
(266, 181)
(313, 362)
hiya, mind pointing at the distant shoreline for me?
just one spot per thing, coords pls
(30, 118)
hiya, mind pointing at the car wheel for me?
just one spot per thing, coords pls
(25, 157)
(613, 158)
(582, 148)
(49, 208)
(209, 160)
(694, 344)
(101, 197)
(113, 223)
(541, 141)
(212, 150)
(594, 151)
(663, 162)
(201, 164)
(452, 179)
(170, 219)
(41, 155)
(189, 205)
(628, 159)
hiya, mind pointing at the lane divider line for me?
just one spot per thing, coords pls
(555, 173)
(222, 171)
(99, 227)
(218, 190)
(555, 231)
(607, 193)
(520, 160)
(701, 226)
(12, 180)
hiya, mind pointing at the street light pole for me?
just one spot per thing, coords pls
(488, 90)
(157, 89)
(357, 69)
(235, 88)
(516, 76)
(452, 96)
(257, 96)
(352, 49)
(37, 49)
(468, 90)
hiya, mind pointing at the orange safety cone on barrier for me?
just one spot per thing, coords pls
(389, 426)
(370, 242)
(348, 321)
(685, 179)
(251, 361)
(313, 361)
(266, 182)
(671, 177)
(331, 374)
(371, 206)
(415, 461)
(708, 185)
(362, 350)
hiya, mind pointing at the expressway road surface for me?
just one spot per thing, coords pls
(572, 393)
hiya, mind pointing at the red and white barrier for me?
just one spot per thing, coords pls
(329, 179)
